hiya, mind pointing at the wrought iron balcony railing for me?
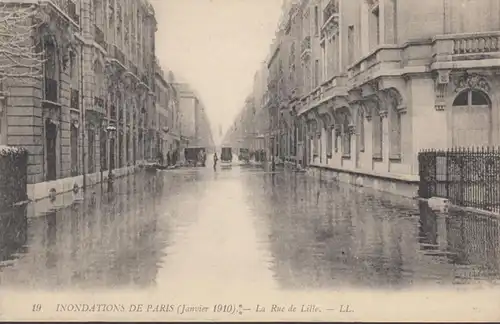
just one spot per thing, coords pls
(51, 87)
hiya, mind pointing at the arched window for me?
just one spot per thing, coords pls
(471, 98)
(471, 121)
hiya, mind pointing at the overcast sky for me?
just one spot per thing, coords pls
(217, 46)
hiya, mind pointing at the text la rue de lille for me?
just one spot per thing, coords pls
(304, 308)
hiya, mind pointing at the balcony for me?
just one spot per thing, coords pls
(75, 99)
(99, 37)
(466, 47)
(305, 46)
(51, 89)
(383, 59)
(335, 86)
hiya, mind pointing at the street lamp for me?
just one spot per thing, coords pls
(111, 131)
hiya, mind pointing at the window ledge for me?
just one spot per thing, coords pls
(395, 158)
(377, 158)
(346, 156)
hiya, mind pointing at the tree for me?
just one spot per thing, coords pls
(20, 56)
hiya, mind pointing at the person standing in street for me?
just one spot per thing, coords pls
(215, 160)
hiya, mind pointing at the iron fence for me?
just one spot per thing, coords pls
(468, 177)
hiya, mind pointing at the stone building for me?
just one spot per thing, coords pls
(195, 127)
(93, 108)
(373, 82)
(168, 112)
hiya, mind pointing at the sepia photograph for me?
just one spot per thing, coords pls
(250, 160)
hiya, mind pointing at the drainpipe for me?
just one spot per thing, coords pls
(82, 107)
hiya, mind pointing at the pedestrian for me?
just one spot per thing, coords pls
(160, 158)
(168, 158)
(215, 160)
(111, 180)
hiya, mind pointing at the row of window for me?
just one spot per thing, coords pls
(328, 66)
(127, 28)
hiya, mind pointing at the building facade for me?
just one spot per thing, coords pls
(195, 127)
(93, 107)
(168, 112)
(373, 82)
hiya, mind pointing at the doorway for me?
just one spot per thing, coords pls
(471, 119)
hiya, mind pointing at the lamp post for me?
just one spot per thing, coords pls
(165, 130)
(111, 131)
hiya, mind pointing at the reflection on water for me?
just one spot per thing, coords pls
(311, 234)
(13, 234)
(113, 244)
(334, 235)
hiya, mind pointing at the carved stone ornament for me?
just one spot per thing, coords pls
(331, 29)
(394, 98)
(368, 107)
(443, 77)
(441, 82)
(338, 129)
(472, 81)
(383, 113)
(327, 120)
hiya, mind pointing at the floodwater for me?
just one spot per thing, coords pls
(243, 229)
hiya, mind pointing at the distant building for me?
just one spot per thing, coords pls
(168, 112)
(195, 127)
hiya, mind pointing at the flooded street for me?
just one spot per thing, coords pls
(242, 229)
